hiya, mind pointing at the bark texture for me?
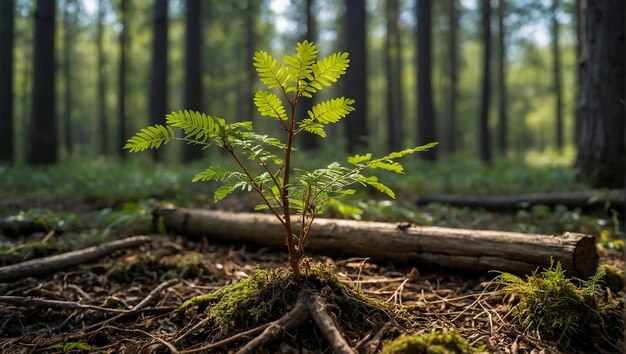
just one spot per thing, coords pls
(7, 29)
(425, 115)
(601, 144)
(43, 136)
(484, 137)
(454, 248)
(355, 79)
(158, 75)
(193, 71)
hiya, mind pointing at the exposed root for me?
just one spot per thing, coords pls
(326, 324)
(292, 319)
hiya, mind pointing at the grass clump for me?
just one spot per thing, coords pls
(436, 342)
(268, 294)
(553, 305)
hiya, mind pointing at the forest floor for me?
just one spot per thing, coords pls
(100, 304)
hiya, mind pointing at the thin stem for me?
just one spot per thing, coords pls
(293, 257)
(254, 184)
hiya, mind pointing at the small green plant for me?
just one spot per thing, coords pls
(296, 197)
(436, 342)
(552, 304)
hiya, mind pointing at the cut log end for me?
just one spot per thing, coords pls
(585, 256)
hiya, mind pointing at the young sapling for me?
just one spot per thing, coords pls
(294, 196)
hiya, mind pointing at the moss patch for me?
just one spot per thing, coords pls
(558, 307)
(268, 294)
(436, 342)
(156, 266)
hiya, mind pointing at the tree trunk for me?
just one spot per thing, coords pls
(425, 114)
(602, 147)
(102, 114)
(355, 81)
(193, 71)
(121, 92)
(393, 65)
(502, 118)
(68, 23)
(251, 13)
(453, 248)
(7, 31)
(484, 139)
(453, 23)
(556, 76)
(43, 139)
(308, 141)
(158, 75)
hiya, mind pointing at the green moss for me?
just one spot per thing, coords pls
(436, 342)
(612, 277)
(268, 294)
(156, 266)
(553, 304)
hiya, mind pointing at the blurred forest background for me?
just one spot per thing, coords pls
(488, 79)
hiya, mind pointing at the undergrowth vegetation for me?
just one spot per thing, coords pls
(267, 294)
(446, 341)
(561, 308)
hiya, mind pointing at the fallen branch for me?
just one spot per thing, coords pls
(46, 265)
(597, 199)
(327, 325)
(455, 248)
(57, 304)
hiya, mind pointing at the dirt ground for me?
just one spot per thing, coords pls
(102, 306)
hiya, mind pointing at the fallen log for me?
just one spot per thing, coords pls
(455, 248)
(49, 264)
(596, 199)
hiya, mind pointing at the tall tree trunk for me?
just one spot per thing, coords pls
(251, 14)
(484, 139)
(453, 44)
(425, 114)
(308, 141)
(502, 117)
(102, 114)
(556, 75)
(68, 23)
(355, 82)
(393, 65)
(578, 35)
(193, 71)
(602, 145)
(121, 92)
(7, 31)
(43, 139)
(158, 74)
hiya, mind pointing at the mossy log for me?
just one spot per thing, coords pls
(595, 199)
(455, 248)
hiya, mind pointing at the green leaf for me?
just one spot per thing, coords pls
(269, 105)
(357, 159)
(331, 111)
(373, 181)
(395, 155)
(197, 126)
(151, 137)
(216, 173)
(224, 190)
(326, 72)
(260, 207)
(392, 166)
(272, 73)
(299, 64)
(312, 126)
